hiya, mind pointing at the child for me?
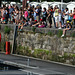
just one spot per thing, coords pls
(68, 27)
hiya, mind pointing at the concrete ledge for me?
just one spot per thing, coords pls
(19, 64)
(16, 64)
(38, 30)
(41, 60)
(30, 69)
(45, 60)
(47, 30)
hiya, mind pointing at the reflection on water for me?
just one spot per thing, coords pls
(11, 70)
(7, 67)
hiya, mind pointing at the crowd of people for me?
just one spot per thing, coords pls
(36, 17)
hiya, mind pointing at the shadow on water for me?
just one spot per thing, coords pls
(11, 70)
(7, 67)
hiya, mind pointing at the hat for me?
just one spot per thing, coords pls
(40, 19)
(35, 20)
(3, 18)
(67, 21)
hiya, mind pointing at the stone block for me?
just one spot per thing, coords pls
(65, 49)
(67, 61)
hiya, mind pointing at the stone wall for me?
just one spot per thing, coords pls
(6, 37)
(46, 47)
(40, 43)
(39, 39)
(43, 41)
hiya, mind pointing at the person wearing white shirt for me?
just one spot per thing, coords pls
(66, 14)
(60, 19)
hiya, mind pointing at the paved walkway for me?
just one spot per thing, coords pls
(37, 66)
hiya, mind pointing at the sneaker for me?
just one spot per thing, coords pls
(59, 28)
(62, 35)
(14, 23)
(20, 30)
(19, 24)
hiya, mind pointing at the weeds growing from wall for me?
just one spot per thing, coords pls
(46, 55)
(73, 34)
(60, 32)
(7, 30)
(50, 33)
(33, 29)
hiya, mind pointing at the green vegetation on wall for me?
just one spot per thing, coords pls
(60, 32)
(33, 29)
(7, 30)
(46, 54)
(73, 34)
(50, 33)
(2, 46)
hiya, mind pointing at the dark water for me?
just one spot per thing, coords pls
(11, 70)
(8, 67)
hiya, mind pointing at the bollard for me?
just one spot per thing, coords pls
(7, 47)
(4, 68)
(28, 62)
(31, 73)
(7, 68)
(28, 73)
(0, 37)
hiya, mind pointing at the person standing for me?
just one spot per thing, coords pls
(44, 14)
(37, 13)
(11, 9)
(17, 15)
(26, 14)
(7, 16)
(49, 18)
(60, 19)
(20, 14)
(56, 16)
(74, 16)
(34, 14)
(66, 14)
